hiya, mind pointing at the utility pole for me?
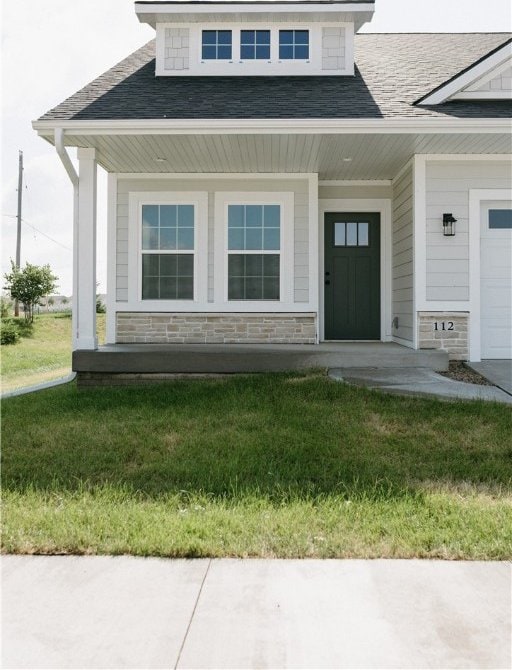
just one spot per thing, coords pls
(18, 217)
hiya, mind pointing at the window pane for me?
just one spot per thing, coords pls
(253, 277)
(500, 219)
(301, 37)
(209, 53)
(351, 234)
(247, 52)
(168, 216)
(253, 265)
(167, 238)
(236, 216)
(271, 265)
(271, 288)
(209, 36)
(262, 51)
(236, 288)
(224, 37)
(168, 288)
(302, 52)
(254, 216)
(150, 288)
(272, 239)
(186, 238)
(263, 37)
(167, 276)
(285, 52)
(247, 37)
(236, 239)
(185, 289)
(185, 216)
(149, 216)
(286, 37)
(253, 238)
(272, 216)
(339, 235)
(224, 53)
(362, 239)
(150, 265)
(167, 264)
(150, 238)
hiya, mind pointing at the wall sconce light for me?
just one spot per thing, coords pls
(449, 225)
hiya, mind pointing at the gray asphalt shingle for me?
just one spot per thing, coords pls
(392, 72)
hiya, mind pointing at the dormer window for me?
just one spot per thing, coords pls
(293, 44)
(255, 44)
(216, 45)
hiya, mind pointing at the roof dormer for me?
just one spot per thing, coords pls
(255, 38)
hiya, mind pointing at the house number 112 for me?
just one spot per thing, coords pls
(444, 325)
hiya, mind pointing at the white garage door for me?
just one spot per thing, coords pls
(496, 279)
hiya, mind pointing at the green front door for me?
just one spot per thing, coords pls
(352, 276)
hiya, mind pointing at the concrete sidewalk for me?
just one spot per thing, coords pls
(418, 382)
(103, 612)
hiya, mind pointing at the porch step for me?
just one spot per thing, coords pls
(161, 359)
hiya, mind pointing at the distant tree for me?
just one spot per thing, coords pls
(29, 285)
(100, 305)
(64, 300)
(50, 302)
(5, 307)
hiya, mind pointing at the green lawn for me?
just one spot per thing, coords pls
(43, 355)
(269, 465)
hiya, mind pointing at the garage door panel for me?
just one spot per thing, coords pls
(495, 285)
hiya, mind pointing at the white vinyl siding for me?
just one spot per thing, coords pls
(299, 187)
(403, 267)
(447, 190)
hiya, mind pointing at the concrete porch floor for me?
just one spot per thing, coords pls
(162, 359)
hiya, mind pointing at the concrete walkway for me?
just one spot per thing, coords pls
(420, 382)
(497, 372)
(104, 612)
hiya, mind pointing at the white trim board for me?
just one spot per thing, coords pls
(381, 206)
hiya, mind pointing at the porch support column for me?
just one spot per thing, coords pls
(84, 254)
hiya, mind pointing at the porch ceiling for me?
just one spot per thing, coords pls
(332, 156)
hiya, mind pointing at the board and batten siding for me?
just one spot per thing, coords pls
(403, 266)
(447, 191)
(299, 187)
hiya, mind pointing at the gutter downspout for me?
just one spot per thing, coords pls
(69, 167)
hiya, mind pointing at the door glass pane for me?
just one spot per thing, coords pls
(362, 234)
(351, 234)
(339, 235)
(500, 218)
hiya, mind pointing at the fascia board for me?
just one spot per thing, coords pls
(466, 78)
(272, 126)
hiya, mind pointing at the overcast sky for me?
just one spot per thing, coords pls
(51, 49)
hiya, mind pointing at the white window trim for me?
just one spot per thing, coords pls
(286, 273)
(199, 200)
(235, 66)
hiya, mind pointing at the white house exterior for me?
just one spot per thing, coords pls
(277, 178)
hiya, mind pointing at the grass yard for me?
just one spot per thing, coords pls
(43, 355)
(281, 465)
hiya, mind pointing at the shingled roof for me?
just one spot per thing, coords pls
(393, 71)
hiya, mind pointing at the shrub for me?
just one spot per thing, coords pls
(9, 333)
(5, 306)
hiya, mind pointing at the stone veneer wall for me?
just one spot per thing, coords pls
(176, 49)
(455, 342)
(208, 328)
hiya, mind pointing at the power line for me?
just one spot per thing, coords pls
(13, 216)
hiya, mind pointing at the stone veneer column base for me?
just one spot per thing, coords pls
(455, 341)
(215, 328)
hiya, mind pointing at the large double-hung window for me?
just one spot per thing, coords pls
(167, 252)
(254, 248)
